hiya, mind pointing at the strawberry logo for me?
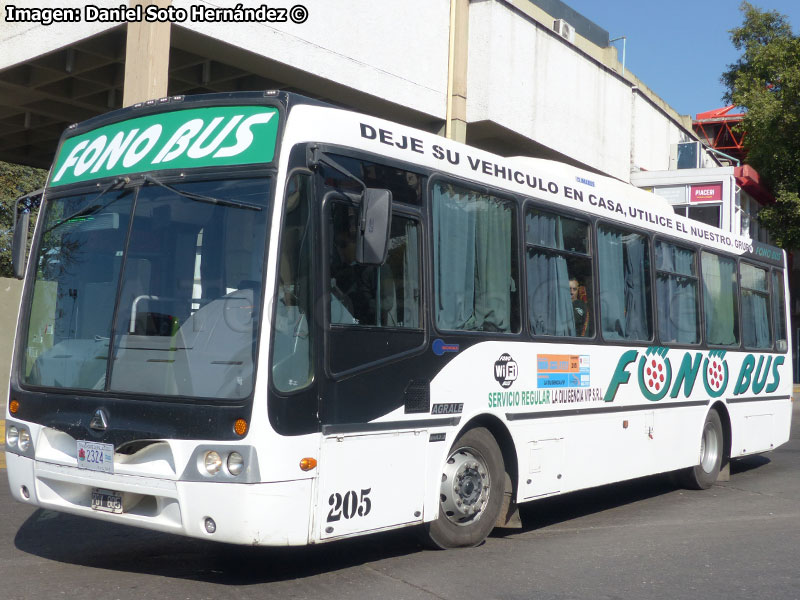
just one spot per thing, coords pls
(715, 373)
(655, 373)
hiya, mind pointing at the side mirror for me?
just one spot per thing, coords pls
(20, 244)
(372, 242)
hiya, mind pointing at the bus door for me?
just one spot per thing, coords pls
(373, 454)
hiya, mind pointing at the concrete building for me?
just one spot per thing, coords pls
(511, 76)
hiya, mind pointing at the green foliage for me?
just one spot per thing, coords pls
(782, 219)
(15, 180)
(765, 81)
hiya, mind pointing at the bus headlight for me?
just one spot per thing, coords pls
(12, 435)
(24, 439)
(213, 462)
(235, 463)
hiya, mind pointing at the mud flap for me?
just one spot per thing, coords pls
(509, 511)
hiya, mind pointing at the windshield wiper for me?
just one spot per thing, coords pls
(201, 197)
(93, 208)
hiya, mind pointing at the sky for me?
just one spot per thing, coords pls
(680, 48)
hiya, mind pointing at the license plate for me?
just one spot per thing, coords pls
(106, 500)
(96, 456)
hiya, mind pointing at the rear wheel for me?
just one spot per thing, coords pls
(471, 492)
(703, 475)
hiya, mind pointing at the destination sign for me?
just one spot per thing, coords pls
(181, 139)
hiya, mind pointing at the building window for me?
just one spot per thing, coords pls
(707, 213)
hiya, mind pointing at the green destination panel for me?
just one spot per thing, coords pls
(181, 139)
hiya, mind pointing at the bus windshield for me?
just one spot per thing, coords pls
(166, 279)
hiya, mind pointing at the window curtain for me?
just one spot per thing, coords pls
(624, 307)
(636, 296)
(755, 308)
(720, 301)
(472, 253)
(677, 296)
(755, 319)
(549, 302)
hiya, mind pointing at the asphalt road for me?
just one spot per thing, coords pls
(639, 540)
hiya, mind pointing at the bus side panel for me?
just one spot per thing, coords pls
(572, 453)
(759, 426)
(369, 482)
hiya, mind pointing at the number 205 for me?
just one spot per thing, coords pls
(349, 505)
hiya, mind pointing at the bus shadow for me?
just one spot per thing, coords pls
(558, 509)
(88, 543)
(742, 465)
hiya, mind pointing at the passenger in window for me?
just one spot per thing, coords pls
(580, 307)
(414, 187)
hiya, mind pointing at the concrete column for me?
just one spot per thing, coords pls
(456, 126)
(146, 58)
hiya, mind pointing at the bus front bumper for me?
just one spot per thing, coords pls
(269, 514)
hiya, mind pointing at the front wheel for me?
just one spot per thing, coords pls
(703, 475)
(471, 492)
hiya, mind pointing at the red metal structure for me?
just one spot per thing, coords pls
(716, 128)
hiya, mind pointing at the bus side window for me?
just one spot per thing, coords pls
(292, 364)
(756, 331)
(387, 295)
(677, 294)
(474, 255)
(779, 311)
(719, 300)
(559, 269)
(624, 272)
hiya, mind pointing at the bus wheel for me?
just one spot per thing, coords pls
(703, 475)
(471, 492)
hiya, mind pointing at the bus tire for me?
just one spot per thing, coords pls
(471, 492)
(703, 475)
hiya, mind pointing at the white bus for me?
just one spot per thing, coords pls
(259, 319)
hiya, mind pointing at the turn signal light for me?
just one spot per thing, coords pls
(306, 464)
(13, 406)
(240, 427)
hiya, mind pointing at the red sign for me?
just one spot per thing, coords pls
(706, 192)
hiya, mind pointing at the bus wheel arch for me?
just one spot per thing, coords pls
(715, 443)
(727, 437)
(482, 456)
(503, 437)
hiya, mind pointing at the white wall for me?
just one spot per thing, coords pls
(23, 41)
(521, 76)
(396, 50)
(534, 83)
(653, 135)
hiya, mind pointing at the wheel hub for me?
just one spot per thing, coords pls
(465, 486)
(709, 448)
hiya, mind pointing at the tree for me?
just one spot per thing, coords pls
(15, 180)
(765, 81)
